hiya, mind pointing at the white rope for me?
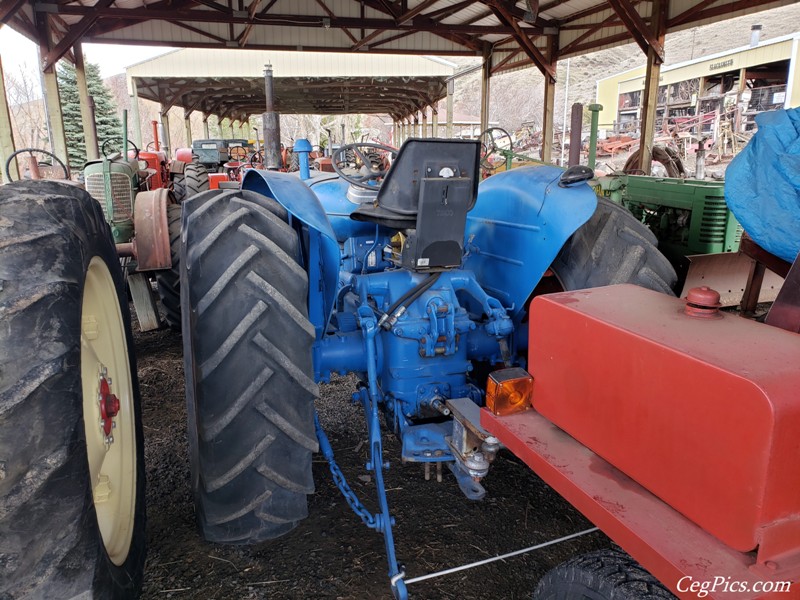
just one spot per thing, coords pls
(486, 561)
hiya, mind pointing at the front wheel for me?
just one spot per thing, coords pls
(247, 357)
(72, 503)
(608, 574)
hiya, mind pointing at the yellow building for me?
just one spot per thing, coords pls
(707, 95)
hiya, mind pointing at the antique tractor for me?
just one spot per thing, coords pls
(140, 194)
(414, 279)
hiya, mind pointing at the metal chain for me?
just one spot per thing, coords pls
(339, 479)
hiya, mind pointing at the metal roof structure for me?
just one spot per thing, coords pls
(513, 33)
(232, 83)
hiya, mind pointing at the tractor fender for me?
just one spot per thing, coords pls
(520, 222)
(323, 249)
(151, 245)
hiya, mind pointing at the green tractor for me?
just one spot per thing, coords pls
(143, 210)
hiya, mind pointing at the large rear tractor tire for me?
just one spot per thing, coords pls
(168, 280)
(247, 357)
(608, 574)
(72, 504)
(192, 181)
(613, 247)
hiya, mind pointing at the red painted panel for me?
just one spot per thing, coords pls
(703, 413)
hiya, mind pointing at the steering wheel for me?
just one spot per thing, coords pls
(103, 148)
(33, 168)
(490, 147)
(237, 153)
(256, 159)
(369, 164)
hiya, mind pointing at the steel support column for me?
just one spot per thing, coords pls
(451, 86)
(137, 117)
(486, 73)
(166, 141)
(650, 93)
(549, 101)
(87, 116)
(6, 135)
(187, 123)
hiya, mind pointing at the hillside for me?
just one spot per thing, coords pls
(516, 97)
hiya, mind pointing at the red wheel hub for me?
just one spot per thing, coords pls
(109, 405)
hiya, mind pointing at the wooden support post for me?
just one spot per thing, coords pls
(205, 126)
(650, 93)
(549, 101)
(435, 121)
(415, 126)
(166, 142)
(486, 74)
(137, 117)
(87, 118)
(425, 122)
(143, 302)
(187, 123)
(451, 86)
(6, 135)
(52, 101)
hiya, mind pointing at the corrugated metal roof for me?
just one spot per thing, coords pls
(444, 27)
(231, 83)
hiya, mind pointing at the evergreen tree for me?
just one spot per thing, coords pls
(108, 124)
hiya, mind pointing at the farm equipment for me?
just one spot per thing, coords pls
(417, 280)
(144, 215)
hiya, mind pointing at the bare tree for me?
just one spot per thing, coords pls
(27, 109)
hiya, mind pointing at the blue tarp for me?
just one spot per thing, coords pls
(762, 184)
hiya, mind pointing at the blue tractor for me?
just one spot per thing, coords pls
(415, 278)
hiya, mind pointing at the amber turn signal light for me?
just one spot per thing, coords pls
(509, 391)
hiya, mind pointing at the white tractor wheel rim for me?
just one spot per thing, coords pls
(105, 369)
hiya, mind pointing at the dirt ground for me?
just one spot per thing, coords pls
(332, 554)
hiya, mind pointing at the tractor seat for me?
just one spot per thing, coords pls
(427, 193)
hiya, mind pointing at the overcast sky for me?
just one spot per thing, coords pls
(18, 51)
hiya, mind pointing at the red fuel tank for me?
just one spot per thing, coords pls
(703, 411)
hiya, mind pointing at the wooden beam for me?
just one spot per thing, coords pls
(486, 75)
(651, 85)
(689, 13)
(87, 116)
(607, 22)
(9, 8)
(73, 35)
(549, 102)
(6, 135)
(331, 14)
(52, 100)
(498, 67)
(642, 34)
(522, 38)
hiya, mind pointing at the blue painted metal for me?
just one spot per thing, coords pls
(324, 254)
(519, 224)
(412, 361)
(302, 148)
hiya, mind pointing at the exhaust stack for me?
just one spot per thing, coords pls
(272, 125)
(755, 35)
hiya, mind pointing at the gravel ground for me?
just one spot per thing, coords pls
(332, 554)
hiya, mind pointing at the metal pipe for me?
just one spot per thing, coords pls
(575, 127)
(125, 134)
(272, 125)
(595, 110)
(155, 135)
